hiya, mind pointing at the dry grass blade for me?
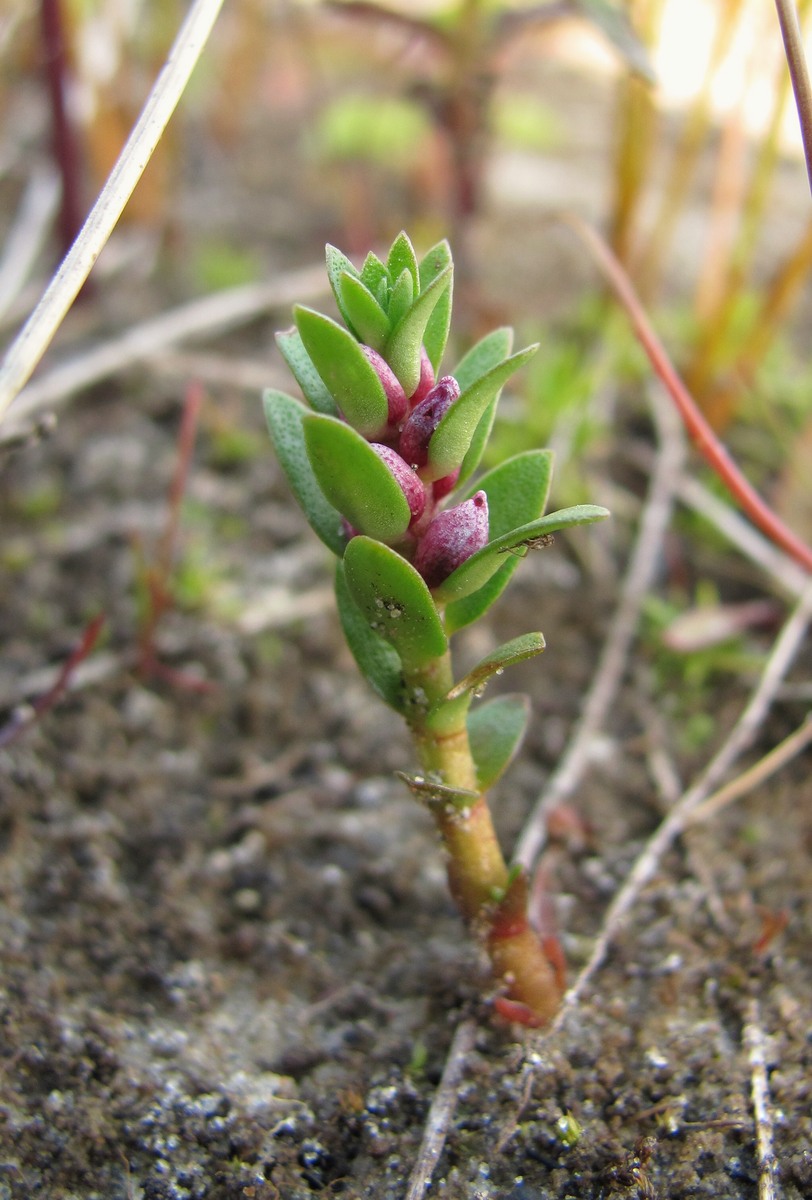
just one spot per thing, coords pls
(35, 336)
(777, 758)
(441, 1111)
(796, 61)
(783, 654)
(27, 234)
(609, 674)
(755, 1044)
(215, 313)
(785, 573)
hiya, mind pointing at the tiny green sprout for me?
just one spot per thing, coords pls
(383, 457)
(569, 1130)
(417, 1063)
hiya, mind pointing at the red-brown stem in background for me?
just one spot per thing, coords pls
(157, 574)
(703, 437)
(65, 145)
(29, 715)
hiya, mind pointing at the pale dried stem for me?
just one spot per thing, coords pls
(640, 576)
(36, 335)
(27, 234)
(752, 778)
(213, 314)
(784, 571)
(441, 1112)
(755, 1044)
(222, 371)
(796, 61)
(752, 718)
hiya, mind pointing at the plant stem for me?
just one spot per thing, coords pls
(65, 148)
(796, 61)
(491, 898)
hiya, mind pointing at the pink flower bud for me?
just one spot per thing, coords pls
(451, 538)
(426, 379)
(424, 419)
(410, 485)
(392, 386)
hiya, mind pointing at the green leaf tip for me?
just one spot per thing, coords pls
(527, 645)
(348, 375)
(403, 258)
(406, 339)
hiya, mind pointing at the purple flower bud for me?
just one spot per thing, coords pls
(392, 386)
(410, 485)
(424, 419)
(451, 538)
(426, 379)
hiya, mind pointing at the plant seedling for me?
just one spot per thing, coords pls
(383, 460)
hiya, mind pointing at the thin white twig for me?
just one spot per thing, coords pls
(761, 771)
(219, 370)
(36, 335)
(756, 1046)
(790, 577)
(27, 234)
(218, 312)
(441, 1111)
(783, 653)
(614, 657)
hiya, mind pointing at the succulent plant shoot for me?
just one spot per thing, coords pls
(383, 460)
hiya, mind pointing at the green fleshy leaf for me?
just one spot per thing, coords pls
(337, 265)
(301, 366)
(439, 323)
(354, 479)
(495, 731)
(401, 297)
(406, 339)
(395, 601)
(517, 490)
(285, 418)
(350, 377)
(445, 716)
(377, 659)
(403, 258)
(373, 274)
(527, 645)
(455, 433)
(481, 358)
(471, 607)
(473, 455)
(479, 568)
(486, 354)
(363, 312)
